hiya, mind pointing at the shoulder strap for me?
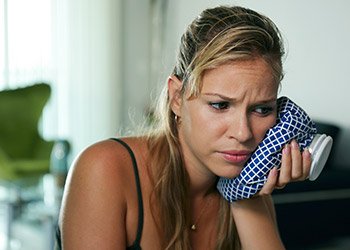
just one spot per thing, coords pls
(139, 193)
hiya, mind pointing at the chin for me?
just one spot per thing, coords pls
(231, 173)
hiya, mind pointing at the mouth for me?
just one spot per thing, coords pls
(236, 157)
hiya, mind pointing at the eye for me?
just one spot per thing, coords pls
(263, 110)
(219, 105)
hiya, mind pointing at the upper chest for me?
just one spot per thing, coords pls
(203, 238)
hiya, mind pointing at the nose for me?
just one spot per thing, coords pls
(240, 128)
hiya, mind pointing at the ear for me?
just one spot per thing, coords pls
(174, 92)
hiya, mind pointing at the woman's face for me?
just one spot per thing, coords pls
(221, 127)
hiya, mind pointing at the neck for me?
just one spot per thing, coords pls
(202, 180)
(202, 183)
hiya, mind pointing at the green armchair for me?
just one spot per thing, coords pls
(23, 152)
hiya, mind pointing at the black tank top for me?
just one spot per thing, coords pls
(136, 244)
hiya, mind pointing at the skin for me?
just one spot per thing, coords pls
(235, 108)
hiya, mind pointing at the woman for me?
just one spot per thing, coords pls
(215, 109)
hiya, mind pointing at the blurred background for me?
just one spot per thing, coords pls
(89, 69)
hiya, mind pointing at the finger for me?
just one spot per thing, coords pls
(280, 187)
(270, 184)
(286, 167)
(306, 163)
(297, 166)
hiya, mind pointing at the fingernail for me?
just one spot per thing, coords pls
(294, 144)
(286, 149)
(306, 153)
(275, 170)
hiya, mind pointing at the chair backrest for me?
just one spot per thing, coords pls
(20, 111)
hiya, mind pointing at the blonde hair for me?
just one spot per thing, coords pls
(217, 36)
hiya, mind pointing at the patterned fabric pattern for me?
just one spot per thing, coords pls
(292, 123)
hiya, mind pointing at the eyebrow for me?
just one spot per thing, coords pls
(226, 98)
(221, 96)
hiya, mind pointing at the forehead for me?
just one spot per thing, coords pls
(253, 75)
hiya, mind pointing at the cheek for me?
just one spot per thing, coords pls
(261, 127)
(201, 124)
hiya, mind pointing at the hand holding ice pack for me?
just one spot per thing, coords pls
(292, 123)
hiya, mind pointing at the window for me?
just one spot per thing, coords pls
(25, 42)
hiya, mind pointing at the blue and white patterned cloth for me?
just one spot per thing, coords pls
(292, 123)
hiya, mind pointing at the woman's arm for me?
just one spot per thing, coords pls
(255, 218)
(94, 207)
(256, 223)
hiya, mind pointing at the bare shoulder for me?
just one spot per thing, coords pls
(105, 164)
(96, 192)
(102, 156)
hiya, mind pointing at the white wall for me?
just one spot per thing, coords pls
(87, 91)
(106, 61)
(317, 38)
(135, 66)
(102, 87)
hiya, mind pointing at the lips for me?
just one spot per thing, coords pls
(237, 157)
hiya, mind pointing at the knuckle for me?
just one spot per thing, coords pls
(280, 187)
(297, 175)
(282, 183)
(305, 176)
(262, 193)
(284, 179)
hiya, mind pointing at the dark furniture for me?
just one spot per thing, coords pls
(314, 214)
